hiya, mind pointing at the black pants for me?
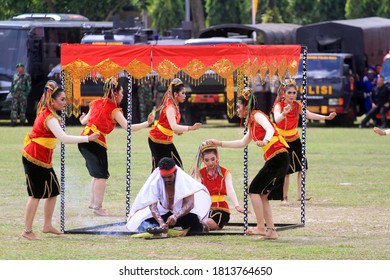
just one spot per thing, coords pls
(163, 150)
(188, 221)
(373, 112)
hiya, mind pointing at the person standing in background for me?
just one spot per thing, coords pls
(20, 89)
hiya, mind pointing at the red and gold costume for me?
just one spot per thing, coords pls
(217, 188)
(288, 127)
(161, 136)
(101, 119)
(275, 146)
(40, 143)
(162, 132)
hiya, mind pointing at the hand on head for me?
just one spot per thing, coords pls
(211, 142)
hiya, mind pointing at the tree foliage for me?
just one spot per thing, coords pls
(228, 11)
(168, 14)
(365, 8)
(94, 10)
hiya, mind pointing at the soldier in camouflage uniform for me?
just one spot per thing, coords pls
(20, 89)
(145, 97)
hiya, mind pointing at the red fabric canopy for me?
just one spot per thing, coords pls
(79, 60)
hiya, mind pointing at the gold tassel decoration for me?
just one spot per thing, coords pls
(240, 81)
(68, 83)
(230, 95)
(76, 97)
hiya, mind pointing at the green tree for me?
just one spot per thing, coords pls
(94, 10)
(311, 11)
(364, 8)
(228, 11)
(272, 13)
(167, 14)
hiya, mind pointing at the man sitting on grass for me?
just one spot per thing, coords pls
(169, 198)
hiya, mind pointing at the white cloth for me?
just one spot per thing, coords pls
(154, 191)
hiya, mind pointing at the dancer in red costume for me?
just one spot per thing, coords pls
(286, 114)
(268, 183)
(42, 182)
(102, 117)
(161, 135)
(218, 181)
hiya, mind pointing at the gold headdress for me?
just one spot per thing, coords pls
(247, 93)
(283, 86)
(168, 93)
(45, 102)
(109, 88)
(198, 159)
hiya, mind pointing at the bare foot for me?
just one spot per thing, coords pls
(285, 202)
(270, 234)
(255, 231)
(100, 212)
(29, 235)
(52, 230)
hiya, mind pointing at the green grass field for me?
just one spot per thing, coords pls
(347, 219)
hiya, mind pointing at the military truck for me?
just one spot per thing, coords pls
(35, 40)
(343, 49)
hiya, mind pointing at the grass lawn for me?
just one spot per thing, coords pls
(347, 219)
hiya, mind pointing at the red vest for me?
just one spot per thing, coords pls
(288, 126)
(40, 143)
(161, 131)
(101, 119)
(275, 146)
(217, 188)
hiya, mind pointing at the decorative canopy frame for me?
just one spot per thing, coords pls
(227, 60)
(79, 61)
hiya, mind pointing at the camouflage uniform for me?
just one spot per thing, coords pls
(145, 97)
(20, 89)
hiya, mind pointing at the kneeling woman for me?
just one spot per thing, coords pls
(268, 183)
(218, 181)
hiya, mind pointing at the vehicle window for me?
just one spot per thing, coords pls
(13, 48)
(322, 67)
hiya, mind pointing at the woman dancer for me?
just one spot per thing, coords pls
(286, 114)
(102, 117)
(268, 183)
(161, 135)
(42, 182)
(218, 181)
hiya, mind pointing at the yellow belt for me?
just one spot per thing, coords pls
(165, 131)
(217, 198)
(290, 132)
(274, 139)
(49, 143)
(92, 128)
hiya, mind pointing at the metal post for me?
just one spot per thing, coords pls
(62, 180)
(304, 106)
(129, 122)
(245, 174)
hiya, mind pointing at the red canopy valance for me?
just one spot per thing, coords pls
(79, 60)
